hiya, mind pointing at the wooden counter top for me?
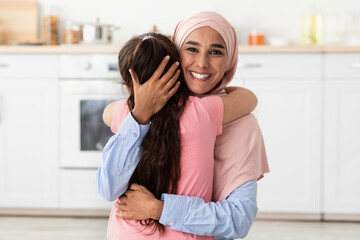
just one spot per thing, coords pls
(113, 49)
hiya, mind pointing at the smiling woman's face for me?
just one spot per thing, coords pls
(203, 60)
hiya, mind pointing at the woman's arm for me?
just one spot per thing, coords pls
(237, 103)
(231, 218)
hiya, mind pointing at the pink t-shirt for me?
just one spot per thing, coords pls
(200, 123)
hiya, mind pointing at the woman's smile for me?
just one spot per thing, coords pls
(200, 77)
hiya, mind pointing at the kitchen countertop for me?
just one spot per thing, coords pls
(87, 49)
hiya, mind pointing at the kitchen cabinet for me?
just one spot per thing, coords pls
(341, 134)
(308, 113)
(78, 190)
(28, 131)
(289, 91)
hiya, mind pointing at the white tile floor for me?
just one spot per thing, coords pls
(40, 228)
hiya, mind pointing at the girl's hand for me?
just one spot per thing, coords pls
(152, 96)
(138, 203)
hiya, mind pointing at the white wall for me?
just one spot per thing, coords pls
(280, 18)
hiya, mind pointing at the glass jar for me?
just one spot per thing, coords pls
(256, 37)
(50, 26)
(311, 32)
(72, 33)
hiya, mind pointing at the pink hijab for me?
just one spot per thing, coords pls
(218, 23)
(240, 151)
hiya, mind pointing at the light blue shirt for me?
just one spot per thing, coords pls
(231, 218)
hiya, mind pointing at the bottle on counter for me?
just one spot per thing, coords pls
(312, 26)
(50, 26)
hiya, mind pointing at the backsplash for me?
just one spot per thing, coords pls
(276, 18)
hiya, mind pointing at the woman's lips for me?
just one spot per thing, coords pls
(199, 77)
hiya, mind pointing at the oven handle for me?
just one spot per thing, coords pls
(84, 91)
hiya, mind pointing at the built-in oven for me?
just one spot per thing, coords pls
(88, 83)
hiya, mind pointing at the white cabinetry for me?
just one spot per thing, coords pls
(78, 190)
(288, 87)
(28, 131)
(341, 134)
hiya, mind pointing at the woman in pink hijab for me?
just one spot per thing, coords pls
(240, 158)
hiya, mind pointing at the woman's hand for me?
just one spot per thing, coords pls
(139, 204)
(152, 96)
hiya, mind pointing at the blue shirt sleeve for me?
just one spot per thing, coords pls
(229, 219)
(120, 158)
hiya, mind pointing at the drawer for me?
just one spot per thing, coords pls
(343, 66)
(78, 190)
(89, 66)
(28, 65)
(278, 66)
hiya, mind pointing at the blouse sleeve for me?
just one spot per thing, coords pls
(215, 108)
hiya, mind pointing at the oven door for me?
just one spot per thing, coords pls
(83, 133)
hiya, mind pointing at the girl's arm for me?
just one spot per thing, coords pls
(120, 158)
(237, 103)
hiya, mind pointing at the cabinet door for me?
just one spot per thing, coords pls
(78, 190)
(342, 146)
(28, 143)
(289, 114)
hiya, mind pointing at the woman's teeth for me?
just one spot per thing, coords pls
(200, 76)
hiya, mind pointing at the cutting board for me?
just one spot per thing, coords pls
(18, 20)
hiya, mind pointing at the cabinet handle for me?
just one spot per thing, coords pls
(87, 66)
(355, 65)
(249, 65)
(1, 108)
(113, 67)
(3, 65)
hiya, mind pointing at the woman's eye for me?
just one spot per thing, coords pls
(192, 49)
(216, 52)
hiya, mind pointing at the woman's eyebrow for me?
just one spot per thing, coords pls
(215, 45)
(192, 43)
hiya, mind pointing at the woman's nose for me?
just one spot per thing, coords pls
(202, 61)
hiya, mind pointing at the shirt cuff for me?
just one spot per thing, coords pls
(173, 211)
(131, 127)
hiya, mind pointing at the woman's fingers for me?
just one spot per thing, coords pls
(124, 215)
(173, 90)
(169, 74)
(135, 186)
(160, 69)
(121, 207)
(172, 80)
(135, 79)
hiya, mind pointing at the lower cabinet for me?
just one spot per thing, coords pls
(78, 190)
(28, 143)
(289, 113)
(342, 146)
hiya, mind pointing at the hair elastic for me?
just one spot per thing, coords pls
(147, 37)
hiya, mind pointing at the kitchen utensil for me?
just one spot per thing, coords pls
(97, 33)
